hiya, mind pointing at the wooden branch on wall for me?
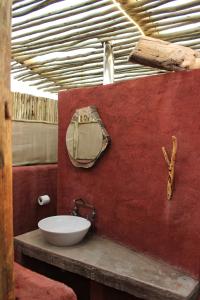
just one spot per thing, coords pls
(6, 216)
(171, 167)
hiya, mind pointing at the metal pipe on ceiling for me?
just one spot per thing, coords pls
(108, 63)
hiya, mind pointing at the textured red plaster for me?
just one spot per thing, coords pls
(29, 182)
(128, 184)
(33, 286)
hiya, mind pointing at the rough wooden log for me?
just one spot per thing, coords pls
(6, 218)
(160, 54)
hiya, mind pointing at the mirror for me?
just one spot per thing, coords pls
(86, 137)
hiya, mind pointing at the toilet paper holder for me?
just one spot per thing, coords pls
(43, 200)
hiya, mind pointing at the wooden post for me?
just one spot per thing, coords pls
(6, 217)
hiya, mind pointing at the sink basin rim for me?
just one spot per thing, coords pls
(42, 222)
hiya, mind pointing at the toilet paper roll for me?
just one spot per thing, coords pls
(43, 200)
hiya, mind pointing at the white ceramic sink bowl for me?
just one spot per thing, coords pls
(64, 230)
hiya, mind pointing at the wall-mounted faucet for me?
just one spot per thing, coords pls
(80, 203)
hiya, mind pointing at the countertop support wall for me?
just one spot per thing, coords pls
(128, 184)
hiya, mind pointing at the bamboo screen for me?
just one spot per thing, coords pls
(31, 108)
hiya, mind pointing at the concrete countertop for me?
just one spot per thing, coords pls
(114, 265)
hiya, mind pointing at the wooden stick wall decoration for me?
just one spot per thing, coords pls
(171, 167)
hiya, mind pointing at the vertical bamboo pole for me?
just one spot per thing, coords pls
(6, 218)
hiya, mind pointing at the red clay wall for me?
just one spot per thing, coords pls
(128, 185)
(29, 182)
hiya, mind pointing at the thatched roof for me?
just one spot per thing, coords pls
(57, 44)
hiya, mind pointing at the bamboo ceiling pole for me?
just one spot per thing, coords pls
(175, 20)
(120, 38)
(63, 13)
(6, 217)
(34, 8)
(84, 33)
(173, 24)
(76, 42)
(74, 69)
(183, 33)
(159, 9)
(71, 10)
(85, 73)
(163, 16)
(23, 57)
(63, 47)
(183, 38)
(94, 63)
(20, 6)
(109, 12)
(125, 50)
(86, 67)
(16, 1)
(88, 84)
(87, 79)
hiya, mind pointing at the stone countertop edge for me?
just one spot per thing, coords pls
(33, 245)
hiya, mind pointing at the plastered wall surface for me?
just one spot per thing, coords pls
(128, 184)
(29, 182)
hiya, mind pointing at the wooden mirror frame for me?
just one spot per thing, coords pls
(86, 137)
